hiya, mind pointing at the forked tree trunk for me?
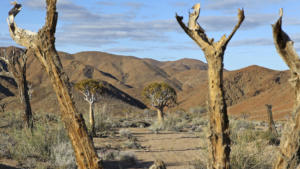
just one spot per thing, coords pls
(43, 47)
(214, 54)
(288, 155)
(160, 115)
(92, 118)
(272, 128)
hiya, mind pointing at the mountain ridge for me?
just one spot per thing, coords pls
(243, 87)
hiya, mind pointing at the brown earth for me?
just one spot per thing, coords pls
(177, 149)
(247, 90)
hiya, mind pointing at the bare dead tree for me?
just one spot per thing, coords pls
(15, 60)
(289, 144)
(42, 45)
(214, 54)
(272, 128)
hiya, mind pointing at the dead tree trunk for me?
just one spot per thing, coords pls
(15, 60)
(42, 45)
(214, 54)
(272, 128)
(289, 144)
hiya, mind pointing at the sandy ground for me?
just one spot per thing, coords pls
(177, 149)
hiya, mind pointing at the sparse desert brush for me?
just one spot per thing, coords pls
(256, 154)
(119, 158)
(62, 155)
(250, 148)
(132, 143)
(39, 148)
(125, 133)
(171, 123)
(197, 111)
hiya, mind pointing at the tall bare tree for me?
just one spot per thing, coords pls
(288, 155)
(15, 60)
(42, 45)
(214, 54)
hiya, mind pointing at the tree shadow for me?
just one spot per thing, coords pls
(2, 166)
(126, 165)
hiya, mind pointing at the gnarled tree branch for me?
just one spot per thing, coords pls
(197, 33)
(241, 17)
(20, 36)
(42, 45)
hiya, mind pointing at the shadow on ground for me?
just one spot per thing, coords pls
(126, 165)
(2, 166)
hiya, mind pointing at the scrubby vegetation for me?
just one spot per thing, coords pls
(48, 145)
(253, 146)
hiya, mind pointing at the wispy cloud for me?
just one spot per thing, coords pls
(131, 4)
(124, 50)
(86, 28)
(253, 42)
(226, 5)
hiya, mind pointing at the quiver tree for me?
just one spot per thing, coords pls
(288, 155)
(214, 54)
(15, 62)
(91, 90)
(42, 46)
(160, 95)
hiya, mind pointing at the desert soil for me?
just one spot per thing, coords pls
(177, 149)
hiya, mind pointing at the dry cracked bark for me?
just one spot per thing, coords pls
(289, 144)
(42, 45)
(214, 54)
(16, 59)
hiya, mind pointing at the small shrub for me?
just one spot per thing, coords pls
(112, 155)
(4, 145)
(125, 133)
(132, 143)
(197, 111)
(171, 124)
(63, 155)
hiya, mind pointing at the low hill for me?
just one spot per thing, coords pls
(246, 90)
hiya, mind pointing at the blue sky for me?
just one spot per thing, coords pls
(148, 29)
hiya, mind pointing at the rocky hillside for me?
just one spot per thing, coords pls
(247, 90)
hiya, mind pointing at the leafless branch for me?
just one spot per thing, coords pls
(285, 46)
(241, 17)
(21, 36)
